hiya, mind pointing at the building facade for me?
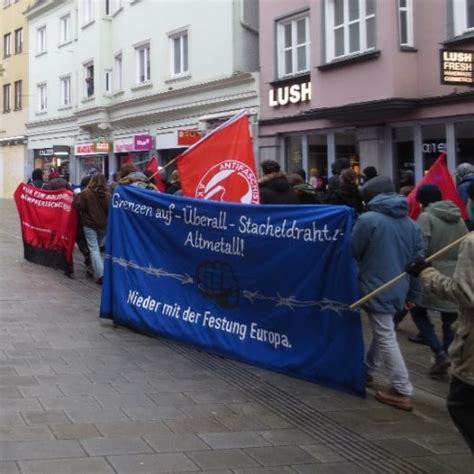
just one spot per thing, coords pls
(114, 81)
(386, 83)
(13, 93)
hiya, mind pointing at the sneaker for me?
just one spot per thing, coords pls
(440, 365)
(418, 339)
(395, 399)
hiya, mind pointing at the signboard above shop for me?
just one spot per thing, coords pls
(99, 148)
(457, 67)
(135, 143)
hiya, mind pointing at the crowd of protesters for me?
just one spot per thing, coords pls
(385, 242)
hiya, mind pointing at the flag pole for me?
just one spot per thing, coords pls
(162, 168)
(395, 280)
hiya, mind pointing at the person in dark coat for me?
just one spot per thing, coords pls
(464, 177)
(173, 186)
(274, 185)
(37, 178)
(305, 192)
(337, 168)
(369, 173)
(347, 193)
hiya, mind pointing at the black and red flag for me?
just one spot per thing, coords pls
(48, 225)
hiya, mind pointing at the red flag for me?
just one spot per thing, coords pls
(152, 166)
(439, 175)
(48, 225)
(221, 166)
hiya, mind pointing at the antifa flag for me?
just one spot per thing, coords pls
(221, 166)
(48, 225)
(440, 176)
(152, 166)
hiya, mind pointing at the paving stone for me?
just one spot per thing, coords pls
(224, 396)
(91, 389)
(449, 444)
(281, 455)
(243, 423)
(46, 391)
(125, 401)
(7, 392)
(265, 470)
(20, 404)
(111, 446)
(8, 468)
(285, 437)
(90, 415)
(322, 453)
(158, 412)
(25, 433)
(7, 371)
(75, 431)
(237, 439)
(69, 403)
(131, 429)
(222, 459)
(207, 409)
(67, 466)
(171, 398)
(196, 425)
(152, 463)
(45, 417)
(17, 451)
(275, 422)
(167, 442)
(17, 380)
(330, 468)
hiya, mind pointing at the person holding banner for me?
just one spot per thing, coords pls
(459, 289)
(274, 185)
(383, 240)
(93, 205)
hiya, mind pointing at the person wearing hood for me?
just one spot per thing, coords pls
(93, 205)
(464, 177)
(130, 174)
(441, 223)
(274, 185)
(384, 239)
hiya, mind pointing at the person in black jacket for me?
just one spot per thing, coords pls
(274, 186)
(347, 193)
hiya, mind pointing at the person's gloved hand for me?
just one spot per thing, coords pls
(416, 266)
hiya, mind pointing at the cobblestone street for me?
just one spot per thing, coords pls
(80, 396)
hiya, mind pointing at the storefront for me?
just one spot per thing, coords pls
(92, 156)
(54, 159)
(171, 144)
(135, 149)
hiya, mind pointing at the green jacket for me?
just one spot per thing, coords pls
(441, 223)
(459, 289)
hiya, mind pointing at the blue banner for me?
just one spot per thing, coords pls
(269, 285)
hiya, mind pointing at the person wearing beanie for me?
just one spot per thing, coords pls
(274, 185)
(384, 239)
(369, 172)
(464, 177)
(441, 223)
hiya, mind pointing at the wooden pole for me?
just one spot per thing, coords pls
(162, 168)
(395, 280)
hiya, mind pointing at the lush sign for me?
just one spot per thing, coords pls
(457, 67)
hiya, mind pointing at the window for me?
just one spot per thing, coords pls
(143, 63)
(18, 41)
(118, 72)
(65, 29)
(463, 16)
(89, 79)
(6, 97)
(112, 6)
(405, 22)
(7, 45)
(350, 27)
(41, 40)
(18, 95)
(88, 11)
(293, 46)
(42, 97)
(108, 82)
(65, 91)
(179, 54)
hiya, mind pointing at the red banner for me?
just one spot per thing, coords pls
(48, 225)
(440, 176)
(221, 166)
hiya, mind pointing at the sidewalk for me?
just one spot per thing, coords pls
(80, 396)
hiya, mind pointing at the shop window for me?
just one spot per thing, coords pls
(317, 161)
(405, 22)
(403, 156)
(293, 42)
(179, 54)
(18, 95)
(350, 27)
(463, 16)
(347, 147)
(433, 144)
(19, 41)
(464, 133)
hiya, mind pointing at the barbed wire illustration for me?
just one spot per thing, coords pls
(253, 296)
(158, 272)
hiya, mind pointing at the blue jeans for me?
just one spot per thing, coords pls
(425, 326)
(384, 350)
(95, 239)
